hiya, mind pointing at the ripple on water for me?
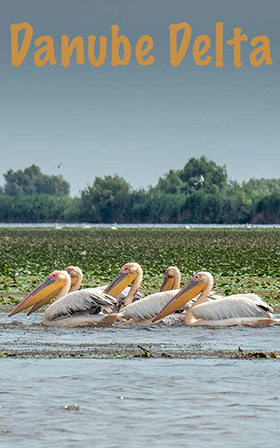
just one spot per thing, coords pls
(140, 402)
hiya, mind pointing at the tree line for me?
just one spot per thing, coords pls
(200, 192)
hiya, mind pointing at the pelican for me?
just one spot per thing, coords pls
(238, 309)
(76, 278)
(144, 310)
(76, 275)
(84, 307)
(172, 279)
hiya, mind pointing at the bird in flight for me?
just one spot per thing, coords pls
(200, 180)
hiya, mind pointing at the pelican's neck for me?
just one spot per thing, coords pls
(134, 288)
(176, 280)
(203, 296)
(78, 283)
(65, 288)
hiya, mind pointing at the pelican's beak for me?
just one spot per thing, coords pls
(194, 287)
(41, 303)
(48, 289)
(167, 283)
(120, 282)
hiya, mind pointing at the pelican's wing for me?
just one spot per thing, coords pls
(124, 294)
(189, 304)
(92, 300)
(231, 307)
(149, 307)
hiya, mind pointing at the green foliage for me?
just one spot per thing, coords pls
(106, 200)
(268, 208)
(241, 260)
(179, 197)
(38, 208)
(31, 181)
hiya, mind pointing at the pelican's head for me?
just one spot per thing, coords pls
(172, 279)
(196, 285)
(76, 277)
(54, 284)
(127, 275)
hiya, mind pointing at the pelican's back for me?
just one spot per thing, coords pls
(90, 300)
(149, 307)
(231, 307)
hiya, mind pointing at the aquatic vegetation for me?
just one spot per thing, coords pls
(240, 259)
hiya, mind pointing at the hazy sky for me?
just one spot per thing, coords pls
(139, 122)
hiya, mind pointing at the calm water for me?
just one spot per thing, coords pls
(138, 402)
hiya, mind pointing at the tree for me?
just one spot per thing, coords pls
(107, 200)
(215, 176)
(268, 209)
(32, 181)
(170, 183)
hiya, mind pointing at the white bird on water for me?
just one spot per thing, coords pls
(147, 309)
(76, 275)
(84, 307)
(238, 309)
(144, 310)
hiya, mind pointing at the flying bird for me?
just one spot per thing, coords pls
(200, 180)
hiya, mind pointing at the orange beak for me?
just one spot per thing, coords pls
(191, 290)
(47, 289)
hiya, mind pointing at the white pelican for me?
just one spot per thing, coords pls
(76, 275)
(144, 310)
(84, 307)
(246, 309)
(172, 279)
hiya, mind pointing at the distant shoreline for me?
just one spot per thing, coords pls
(114, 226)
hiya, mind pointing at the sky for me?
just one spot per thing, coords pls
(139, 122)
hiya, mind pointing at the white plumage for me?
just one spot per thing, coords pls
(246, 309)
(83, 307)
(235, 306)
(146, 309)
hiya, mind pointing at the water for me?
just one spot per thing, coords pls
(27, 335)
(137, 402)
(139, 226)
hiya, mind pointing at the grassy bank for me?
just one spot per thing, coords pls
(240, 259)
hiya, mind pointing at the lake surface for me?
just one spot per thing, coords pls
(139, 403)
(27, 335)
